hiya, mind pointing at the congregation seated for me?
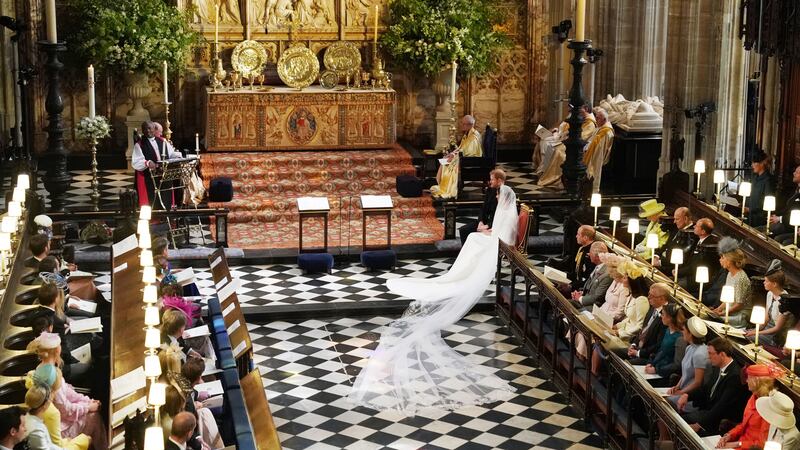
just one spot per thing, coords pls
(732, 259)
(43, 422)
(653, 211)
(721, 396)
(578, 266)
(779, 318)
(695, 363)
(550, 153)
(681, 236)
(752, 430)
(160, 247)
(39, 245)
(702, 253)
(182, 432)
(666, 362)
(598, 282)
(779, 221)
(763, 184)
(12, 427)
(646, 343)
(615, 297)
(778, 410)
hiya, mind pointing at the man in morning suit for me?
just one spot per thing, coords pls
(496, 179)
(721, 396)
(183, 425)
(594, 291)
(682, 237)
(702, 253)
(644, 346)
(779, 222)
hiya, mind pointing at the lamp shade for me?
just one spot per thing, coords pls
(5, 242)
(24, 181)
(615, 213)
(151, 318)
(14, 209)
(145, 213)
(699, 166)
(701, 275)
(157, 396)
(745, 188)
(149, 275)
(719, 177)
(154, 438)
(728, 294)
(144, 240)
(8, 225)
(146, 258)
(794, 218)
(652, 240)
(142, 227)
(633, 226)
(18, 195)
(772, 445)
(793, 340)
(769, 203)
(152, 367)
(152, 338)
(758, 315)
(596, 200)
(150, 294)
(676, 256)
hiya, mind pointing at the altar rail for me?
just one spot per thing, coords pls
(541, 316)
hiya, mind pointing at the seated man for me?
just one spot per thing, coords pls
(146, 153)
(681, 236)
(497, 178)
(646, 343)
(12, 427)
(702, 253)
(447, 177)
(578, 266)
(779, 222)
(551, 173)
(597, 151)
(39, 245)
(181, 432)
(721, 396)
(594, 290)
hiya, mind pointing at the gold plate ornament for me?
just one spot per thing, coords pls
(249, 57)
(328, 79)
(298, 66)
(342, 57)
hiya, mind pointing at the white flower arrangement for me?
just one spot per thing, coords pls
(96, 128)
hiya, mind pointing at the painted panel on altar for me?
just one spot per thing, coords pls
(286, 119)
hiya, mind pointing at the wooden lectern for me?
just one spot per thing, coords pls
(309, 207)
(376, 205)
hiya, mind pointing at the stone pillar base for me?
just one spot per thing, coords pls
(442, 130)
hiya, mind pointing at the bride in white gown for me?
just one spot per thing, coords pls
(412, 367)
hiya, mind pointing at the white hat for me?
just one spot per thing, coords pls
(777, 409)
(697, 327)
(48, 340)
(43, 221)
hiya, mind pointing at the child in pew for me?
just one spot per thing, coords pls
(43, 431)
(48, 272)
(160, 255)
(183, 378)
(174, 404)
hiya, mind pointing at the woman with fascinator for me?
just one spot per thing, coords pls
(412, 367)
(733, 259)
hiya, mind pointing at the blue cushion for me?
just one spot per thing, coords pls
(230, 379)
(315, 262)
(218, 325)
(214, 308)
(379, 259)
(223, 340)
(220, 190)
(238, 412)
(226, 360)
(245, 441)
(408, 186)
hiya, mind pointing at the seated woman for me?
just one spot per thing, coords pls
(653, 211)
(778, 410)
(778, 322)
(695, 361)
(48, 272)
(178, 388)
(636, 306)
(667, 360)
(160, 251)
(616, 297)
(49, 351)
(753, 430)
(732, 259)
(43, 420)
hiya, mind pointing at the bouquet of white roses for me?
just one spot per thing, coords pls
(96, 128)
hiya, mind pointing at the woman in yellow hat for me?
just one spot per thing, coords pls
(653, 211)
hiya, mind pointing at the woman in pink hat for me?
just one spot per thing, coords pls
(752, 432)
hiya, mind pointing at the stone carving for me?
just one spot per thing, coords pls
(228, 11)
(358, 11)
(279, 13)
(641, 114)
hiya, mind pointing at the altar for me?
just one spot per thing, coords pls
(284, 118)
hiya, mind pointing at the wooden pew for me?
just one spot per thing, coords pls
(255, 399)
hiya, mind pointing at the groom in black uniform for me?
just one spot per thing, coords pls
(496, 179)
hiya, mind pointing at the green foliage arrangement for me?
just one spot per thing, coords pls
(427, 35)
(130, 35)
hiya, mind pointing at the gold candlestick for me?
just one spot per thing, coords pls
(167, 130)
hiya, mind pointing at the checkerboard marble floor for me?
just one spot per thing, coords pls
(309, 367)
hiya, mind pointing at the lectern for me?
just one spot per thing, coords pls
(376, 206)
(309, 207)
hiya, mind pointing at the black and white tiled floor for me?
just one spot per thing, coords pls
(309, 367)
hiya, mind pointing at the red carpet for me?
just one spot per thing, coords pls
(263, 213)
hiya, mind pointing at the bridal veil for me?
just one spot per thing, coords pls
(413, 367)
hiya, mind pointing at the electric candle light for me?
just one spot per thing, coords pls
(758, 316)
(793, 344)
(652, 244)
(699, 169)
(50, 15)
(769, 206)
(143, 227)
(144, 240)
(151, 316)
(197, 143)
(18, 196)
(595, 203)
(145, 213)
(701, 277)
(744, 191)
(152, 338)
(150, 294)
(152, 369)
(615, 215)
(633, 229)
(154, 438)
(156, 396)
(24, 181)
(580, 20)
(90, 72)
(146, 258)
(8, 225)
(14, 209)
(794, 220)
(149, 275)
(719, 180)
(772, 445)
(727, 296)
(676, 258)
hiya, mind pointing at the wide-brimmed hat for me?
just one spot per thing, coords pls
(48, 341)
(697, 327)
(777, 409)
(650, 207)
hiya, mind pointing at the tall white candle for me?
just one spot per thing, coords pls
(50, 13)
(453, 82)
(197, 142)
(90, 71)
(216, 28)
(580, 19)
(166, 92)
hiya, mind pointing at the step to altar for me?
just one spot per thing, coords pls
(263, 212)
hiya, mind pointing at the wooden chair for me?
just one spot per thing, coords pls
(476, 169)
(523, 228)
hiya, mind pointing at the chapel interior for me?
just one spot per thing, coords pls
(203, 200)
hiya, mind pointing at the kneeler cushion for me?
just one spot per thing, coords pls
(379, 259)
(409, 186)
(220, 190)
(315, 262)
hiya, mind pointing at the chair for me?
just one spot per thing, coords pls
(523, 228)
(477, 168)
